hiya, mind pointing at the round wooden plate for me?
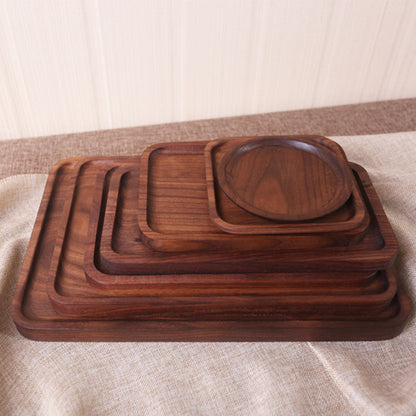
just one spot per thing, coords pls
(286, 179)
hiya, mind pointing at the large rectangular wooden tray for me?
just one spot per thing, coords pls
(36, 318)
(70, 294)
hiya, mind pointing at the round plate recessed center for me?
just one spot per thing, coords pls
(284, 179)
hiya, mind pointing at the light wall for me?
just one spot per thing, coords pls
(76, 65)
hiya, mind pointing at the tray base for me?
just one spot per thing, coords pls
(213, 331)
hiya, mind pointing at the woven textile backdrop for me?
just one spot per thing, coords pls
(78, 65)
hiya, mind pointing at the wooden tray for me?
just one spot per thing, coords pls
(173, 211)
(70, 295)
(113, 236)
(118, 233)
(71, 299)
(228, 216)
(285, 178)
(36, 318)
(66, 273)
(120, 252)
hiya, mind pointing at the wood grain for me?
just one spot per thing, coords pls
(52, 327)
(285, 178)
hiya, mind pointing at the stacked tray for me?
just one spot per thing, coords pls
(248, 239)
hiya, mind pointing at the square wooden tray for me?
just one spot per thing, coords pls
(349, 221)
(173, 211)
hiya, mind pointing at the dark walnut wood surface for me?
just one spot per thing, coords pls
(286, 178)
(89, 211)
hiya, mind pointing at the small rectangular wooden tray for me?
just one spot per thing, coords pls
(173, 211)
(36, 318)
(349, 221)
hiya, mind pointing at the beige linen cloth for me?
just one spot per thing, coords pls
(339, 378)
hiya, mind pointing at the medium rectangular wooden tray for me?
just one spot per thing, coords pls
(119, 251)
(106, 231)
